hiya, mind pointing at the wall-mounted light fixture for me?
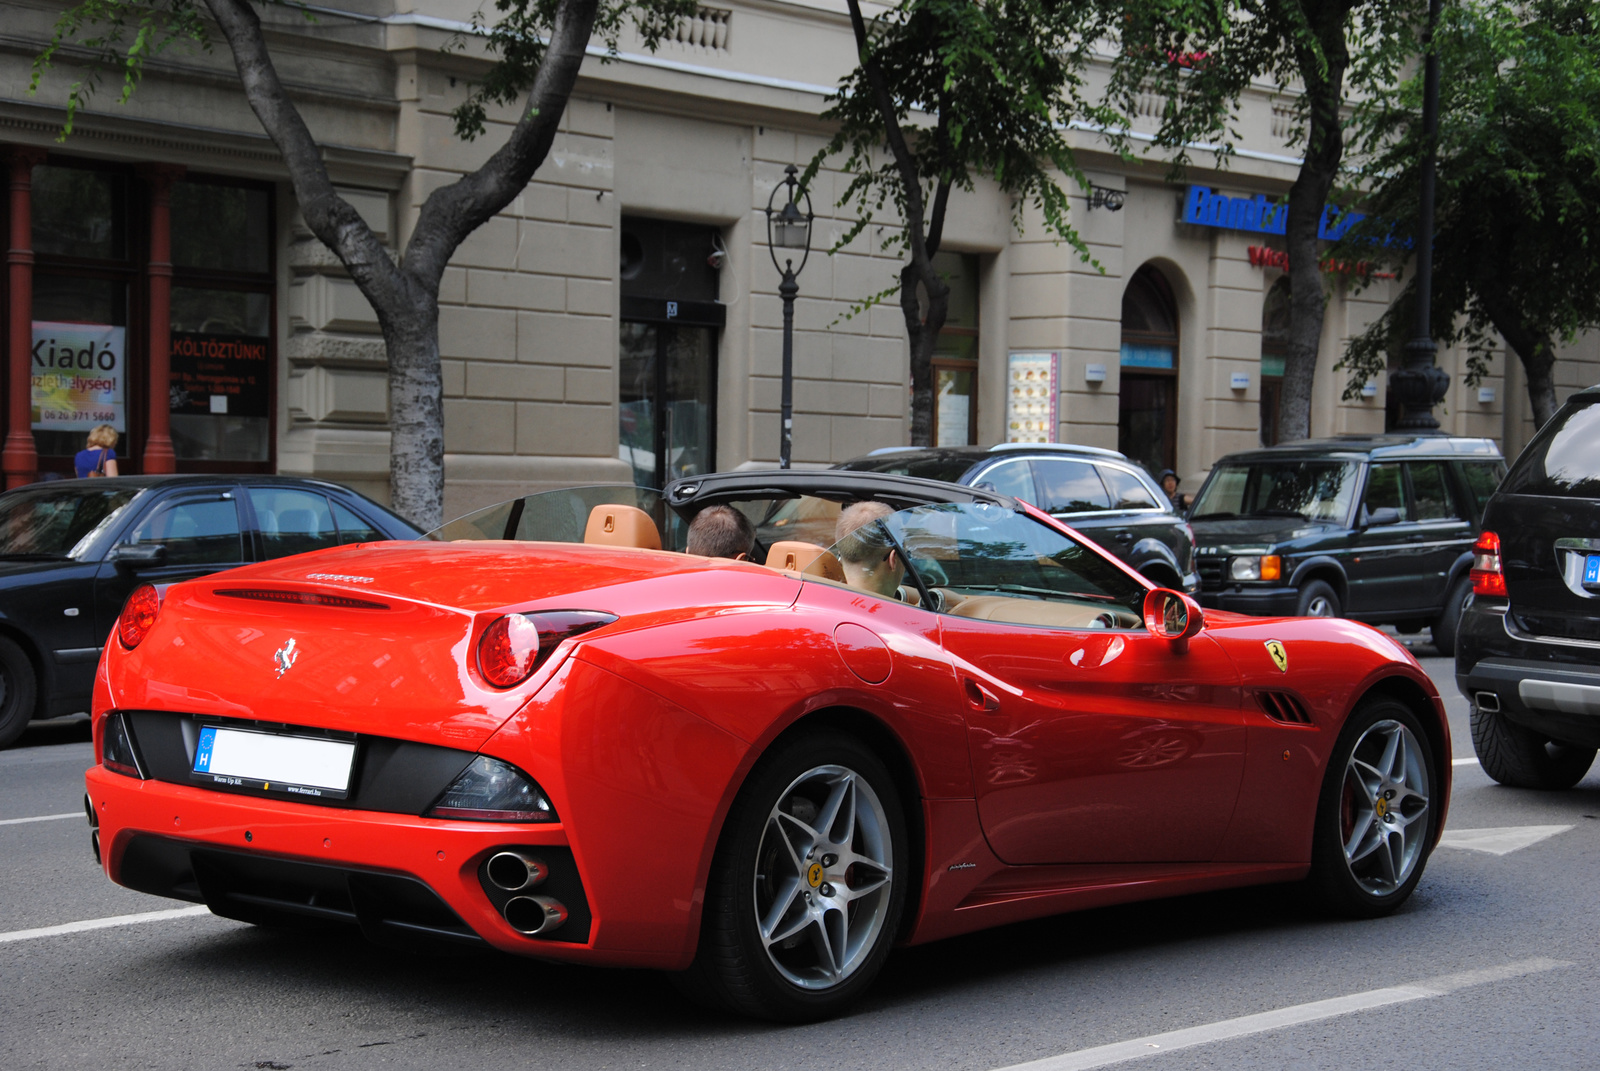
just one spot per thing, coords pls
(1105, 197)
(1239, 381)
(1094, 373)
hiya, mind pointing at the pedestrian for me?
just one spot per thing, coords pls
(100, 457)
(1169, 487)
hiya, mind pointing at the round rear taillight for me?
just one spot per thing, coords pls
(508, 650)
(138, 615)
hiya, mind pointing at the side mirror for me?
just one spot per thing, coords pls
(1380, 516)
(139, 555)
(1171, 615)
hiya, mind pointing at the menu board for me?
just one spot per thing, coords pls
(1031, 395)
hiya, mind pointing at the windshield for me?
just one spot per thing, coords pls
(558, 516)
(49, 522)
(1312, 490)
(981, 561)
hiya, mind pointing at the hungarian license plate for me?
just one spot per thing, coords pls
(1591, 569)
(274, 762)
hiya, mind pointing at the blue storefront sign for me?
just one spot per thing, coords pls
(1257, 215)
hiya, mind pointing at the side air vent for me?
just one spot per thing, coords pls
(1284, 707)
(302, 598)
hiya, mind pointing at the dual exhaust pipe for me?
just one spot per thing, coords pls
(517, 872)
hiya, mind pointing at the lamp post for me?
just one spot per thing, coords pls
(788, 228)
(1421, 384)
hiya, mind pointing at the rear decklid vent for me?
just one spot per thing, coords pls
(303, 598)
(1284, 707)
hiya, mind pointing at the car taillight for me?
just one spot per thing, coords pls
(138, 615)
(493, 791)
(1487, 576)
(116, 749)
(515, 645)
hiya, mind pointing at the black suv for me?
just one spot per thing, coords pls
(1101, 493)
(1375, 528)
(1529, 649)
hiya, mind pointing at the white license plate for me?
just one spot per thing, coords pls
(294, 765)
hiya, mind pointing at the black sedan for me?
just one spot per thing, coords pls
(72, 550)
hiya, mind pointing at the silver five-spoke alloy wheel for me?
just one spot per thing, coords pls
(823, 877)
(1383, 807)
(1319, 606)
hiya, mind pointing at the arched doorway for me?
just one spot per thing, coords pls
(1274, 345)
(1147, 416)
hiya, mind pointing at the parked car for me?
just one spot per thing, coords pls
(1102, 493)
(72, 550)
(756, 777)
(1528, 656)
(1376, 528)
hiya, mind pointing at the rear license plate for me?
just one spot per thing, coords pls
(1591, 569)
(294, 765)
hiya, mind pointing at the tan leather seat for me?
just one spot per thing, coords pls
(793, 556)
(621, 526)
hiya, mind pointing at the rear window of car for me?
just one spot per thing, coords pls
(1563, 460)
(1482, 478)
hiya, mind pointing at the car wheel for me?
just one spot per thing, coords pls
(1318, 599)
(18, 689)
(1449, 619)
(807, 887)
(1522, 758)
(1376, 814)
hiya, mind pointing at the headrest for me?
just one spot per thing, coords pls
(793, 556)
(621, 526)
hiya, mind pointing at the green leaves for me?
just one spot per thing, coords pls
(116, 36)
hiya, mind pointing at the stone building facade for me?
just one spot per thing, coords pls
(620, 319)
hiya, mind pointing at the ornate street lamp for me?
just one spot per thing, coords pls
(788, 228)
(1421, 384)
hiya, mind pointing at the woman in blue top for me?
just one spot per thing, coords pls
(100, 459)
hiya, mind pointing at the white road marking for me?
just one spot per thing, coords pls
(103, 924)
(1463, 762)
(1244, 1026)
(40, 818)
(1499, 841)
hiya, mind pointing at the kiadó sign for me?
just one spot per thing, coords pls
(1203, 208)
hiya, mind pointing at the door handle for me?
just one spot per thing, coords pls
(980, 697)
(1123, 537)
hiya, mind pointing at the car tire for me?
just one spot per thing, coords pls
(829, 939)
(18, 691)
(1318, 599)
(1376, 814)
(1448, 623)
(1521, 758)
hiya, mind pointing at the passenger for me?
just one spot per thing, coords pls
(721, 532)
(870, 561)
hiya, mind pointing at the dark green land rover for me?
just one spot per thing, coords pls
(1376, 528)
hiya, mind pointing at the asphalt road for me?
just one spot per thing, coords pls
(1495, 962)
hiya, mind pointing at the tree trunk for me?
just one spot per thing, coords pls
(1308, 197)
(922, 332)
(1536, 352)
(406, 296)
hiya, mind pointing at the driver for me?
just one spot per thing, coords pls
(870, 561)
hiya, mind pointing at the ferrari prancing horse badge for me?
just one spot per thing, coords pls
(1280, 657)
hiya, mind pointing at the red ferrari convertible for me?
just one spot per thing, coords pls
(931, 714)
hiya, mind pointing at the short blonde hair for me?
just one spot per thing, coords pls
(103, 436)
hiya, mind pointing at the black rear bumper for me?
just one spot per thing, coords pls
(1548, 686)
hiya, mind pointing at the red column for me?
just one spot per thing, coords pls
(20, 458)
(158, 455)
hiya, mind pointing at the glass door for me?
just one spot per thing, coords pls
(667, 400)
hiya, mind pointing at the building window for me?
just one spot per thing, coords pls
(83, 341)
(222, 314)
(1274, 345)
(1147, 406)
(955, 354)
